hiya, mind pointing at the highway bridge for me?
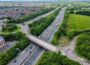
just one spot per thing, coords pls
(37, 40)
(42, 43)
(31, 56)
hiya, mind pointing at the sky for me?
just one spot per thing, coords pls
(27, 0)
(41, 0)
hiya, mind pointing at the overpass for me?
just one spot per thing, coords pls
(37, 41)
(32, 55)
(42, 43)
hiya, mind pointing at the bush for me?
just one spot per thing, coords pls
(83, 45)
(50, 58)
(9, 28)
(72, 10)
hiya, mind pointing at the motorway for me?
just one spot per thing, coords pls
(43, 43)
(32, 52)
(47, 35)
(25, 28)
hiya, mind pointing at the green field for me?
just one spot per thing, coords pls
(72, 25)
(78, 23)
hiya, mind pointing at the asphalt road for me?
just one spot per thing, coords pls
(32, 52)
(41, 16)
(24, 27)
(70, 53)
(8, 45)
(47, 35)
(28, 51)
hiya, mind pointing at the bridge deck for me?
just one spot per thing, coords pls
(43, 44)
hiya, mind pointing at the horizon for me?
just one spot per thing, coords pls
(38, 0)
(27, 0)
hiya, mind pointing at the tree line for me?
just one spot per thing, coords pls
(87, 13)
(39, 26)
(14, 51)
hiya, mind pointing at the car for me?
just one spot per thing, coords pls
(30, 51)
(14, 61)
(7, 45)
(26, 49)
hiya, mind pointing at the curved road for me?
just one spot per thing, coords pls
(32, 49)
(70, 53)
(32, 53)
(47, 35)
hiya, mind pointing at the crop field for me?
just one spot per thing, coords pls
(77, 23)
